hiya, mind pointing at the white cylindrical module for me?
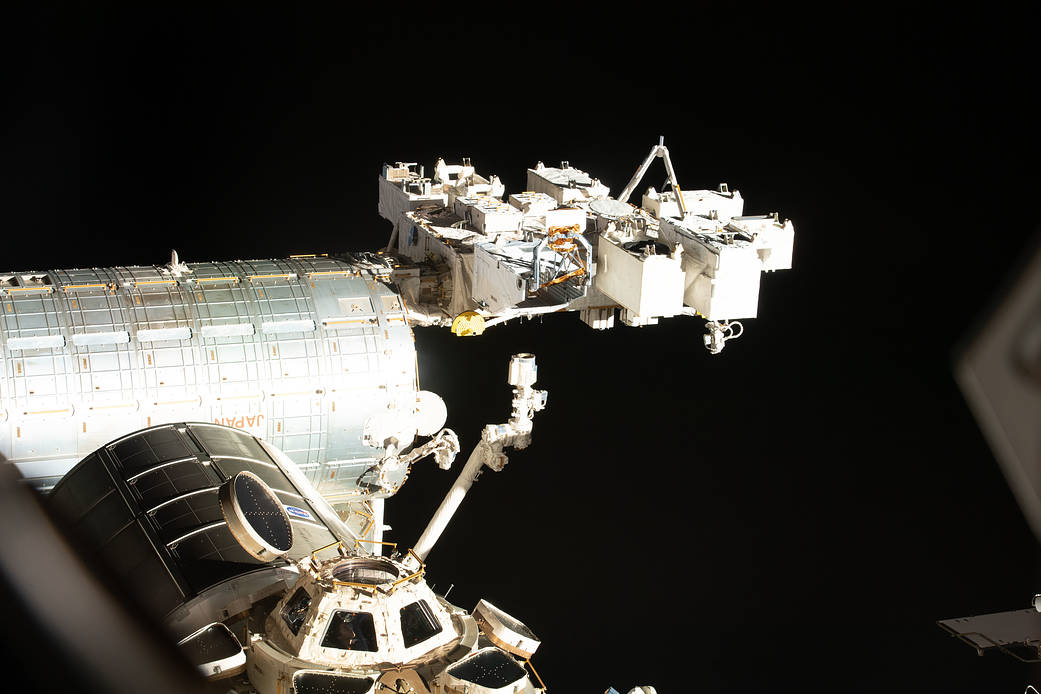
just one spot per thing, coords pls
(309, 354)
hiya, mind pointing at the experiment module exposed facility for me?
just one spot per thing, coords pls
(225, 433)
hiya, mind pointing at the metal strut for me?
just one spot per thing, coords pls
(659, 150)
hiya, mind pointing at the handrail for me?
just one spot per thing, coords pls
(412, 551)
(94, 285)
(314, 554)
(367, 530)
(416, 574)
(535, 672)
(358, 540)
(43, 288)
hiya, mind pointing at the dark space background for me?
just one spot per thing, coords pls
(793, 514)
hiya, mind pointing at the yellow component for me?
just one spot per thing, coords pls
(30, 289)
(218, 279)
(468, 323)
(314, 554)
(327, 273)
(359, 540)
(563, 278)
(281, 276)
(541, 683)
(108, 286)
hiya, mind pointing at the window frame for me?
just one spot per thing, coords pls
(426, 611)
(372, 623)
(285, 607)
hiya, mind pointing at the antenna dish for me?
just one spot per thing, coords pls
(431, 413)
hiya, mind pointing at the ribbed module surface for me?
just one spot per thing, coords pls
(301, 352)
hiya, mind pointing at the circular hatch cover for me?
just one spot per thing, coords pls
(255, 516)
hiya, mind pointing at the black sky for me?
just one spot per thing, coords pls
(793, 514)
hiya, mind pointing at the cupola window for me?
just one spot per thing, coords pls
(350, 631)
(418, 623)
(295, 610)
